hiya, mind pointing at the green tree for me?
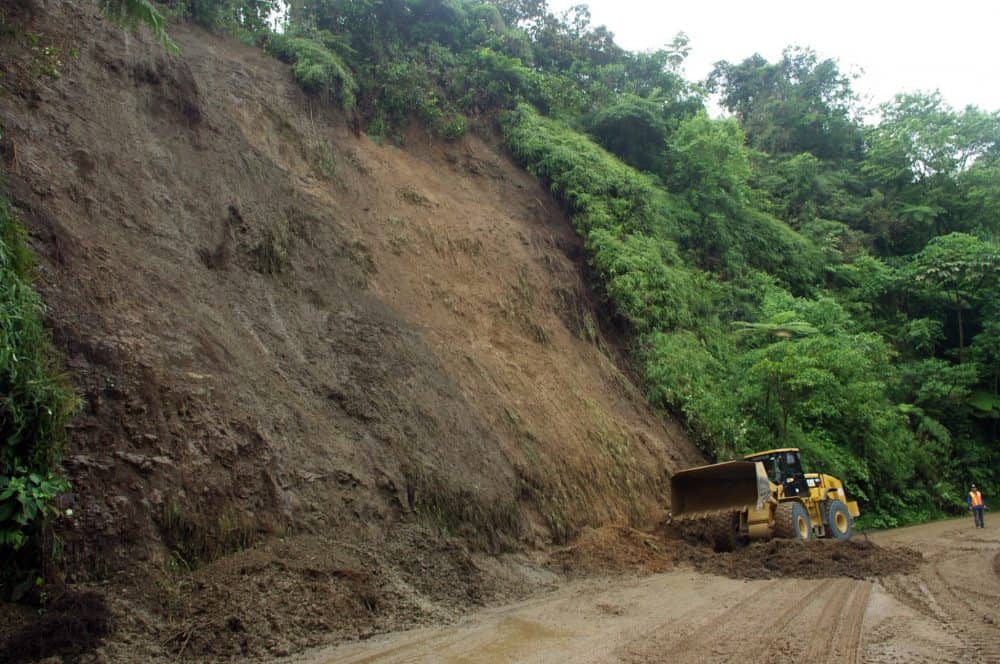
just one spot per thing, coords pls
(921, 137)
(798, 104)
(959, 270)
(634, 129)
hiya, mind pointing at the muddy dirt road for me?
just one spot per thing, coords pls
(946, 611)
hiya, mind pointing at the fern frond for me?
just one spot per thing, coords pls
(135, 12)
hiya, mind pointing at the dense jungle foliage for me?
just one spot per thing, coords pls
(787, 276)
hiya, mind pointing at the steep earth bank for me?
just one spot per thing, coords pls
(325, 382)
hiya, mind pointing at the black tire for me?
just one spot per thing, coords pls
(724, 531)
(791, 521)
(840, 523)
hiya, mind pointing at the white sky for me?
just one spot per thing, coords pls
(897, 46)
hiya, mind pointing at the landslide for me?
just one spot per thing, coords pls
(618, 549)
(324, 381)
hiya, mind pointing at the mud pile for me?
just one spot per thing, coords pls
(613, 550)
(70, 623)
(284, 596)
(856, 559)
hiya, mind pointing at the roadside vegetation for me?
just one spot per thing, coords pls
(787, 276)
(34, 408)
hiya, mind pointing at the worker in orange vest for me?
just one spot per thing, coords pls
(976, 504)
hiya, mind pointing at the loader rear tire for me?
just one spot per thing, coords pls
(840, 523)
(791, 521)
(724, 531)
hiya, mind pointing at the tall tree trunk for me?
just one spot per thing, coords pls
(295, 11)
(961, 337)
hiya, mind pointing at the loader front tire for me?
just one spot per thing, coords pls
(840, 524)
(791, 521)
(724, 531)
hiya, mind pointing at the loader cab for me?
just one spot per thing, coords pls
(784, 468)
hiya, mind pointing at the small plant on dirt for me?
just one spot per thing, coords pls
(326, 160)
(195, 539)
(469, 247)
(44, 58)
(25, 498)
(399, 243)
(454, 127)
(415, 198)
(315, 65)
(271, 253)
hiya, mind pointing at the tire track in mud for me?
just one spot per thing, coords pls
(956, 598)
(823, 626)
(833, 609)
(779, 642)
(841, 641)
(981, 640)
(664, 635)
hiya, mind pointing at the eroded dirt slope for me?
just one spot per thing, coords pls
(373, 364)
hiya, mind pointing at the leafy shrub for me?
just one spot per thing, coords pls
(625, 219)
(34, 403)
(634, 129)
(316, 68)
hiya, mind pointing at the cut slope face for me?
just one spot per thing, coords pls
(280, 328)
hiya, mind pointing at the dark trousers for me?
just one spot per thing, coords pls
(977, 514)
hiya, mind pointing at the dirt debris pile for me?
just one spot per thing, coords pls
(64, 626)
(613, 549)
(284, 596)
(616, 549)
(856, 559)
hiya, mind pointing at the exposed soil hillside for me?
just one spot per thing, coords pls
(323, 380)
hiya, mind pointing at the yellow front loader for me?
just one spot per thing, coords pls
(765, 495)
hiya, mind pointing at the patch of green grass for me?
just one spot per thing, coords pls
(494, 525)
(325, 160)
(195, 538)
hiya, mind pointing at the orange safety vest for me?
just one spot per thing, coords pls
(976, 498)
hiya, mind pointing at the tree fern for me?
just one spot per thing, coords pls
(135, 12)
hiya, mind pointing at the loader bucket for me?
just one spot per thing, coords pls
(733, 485)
